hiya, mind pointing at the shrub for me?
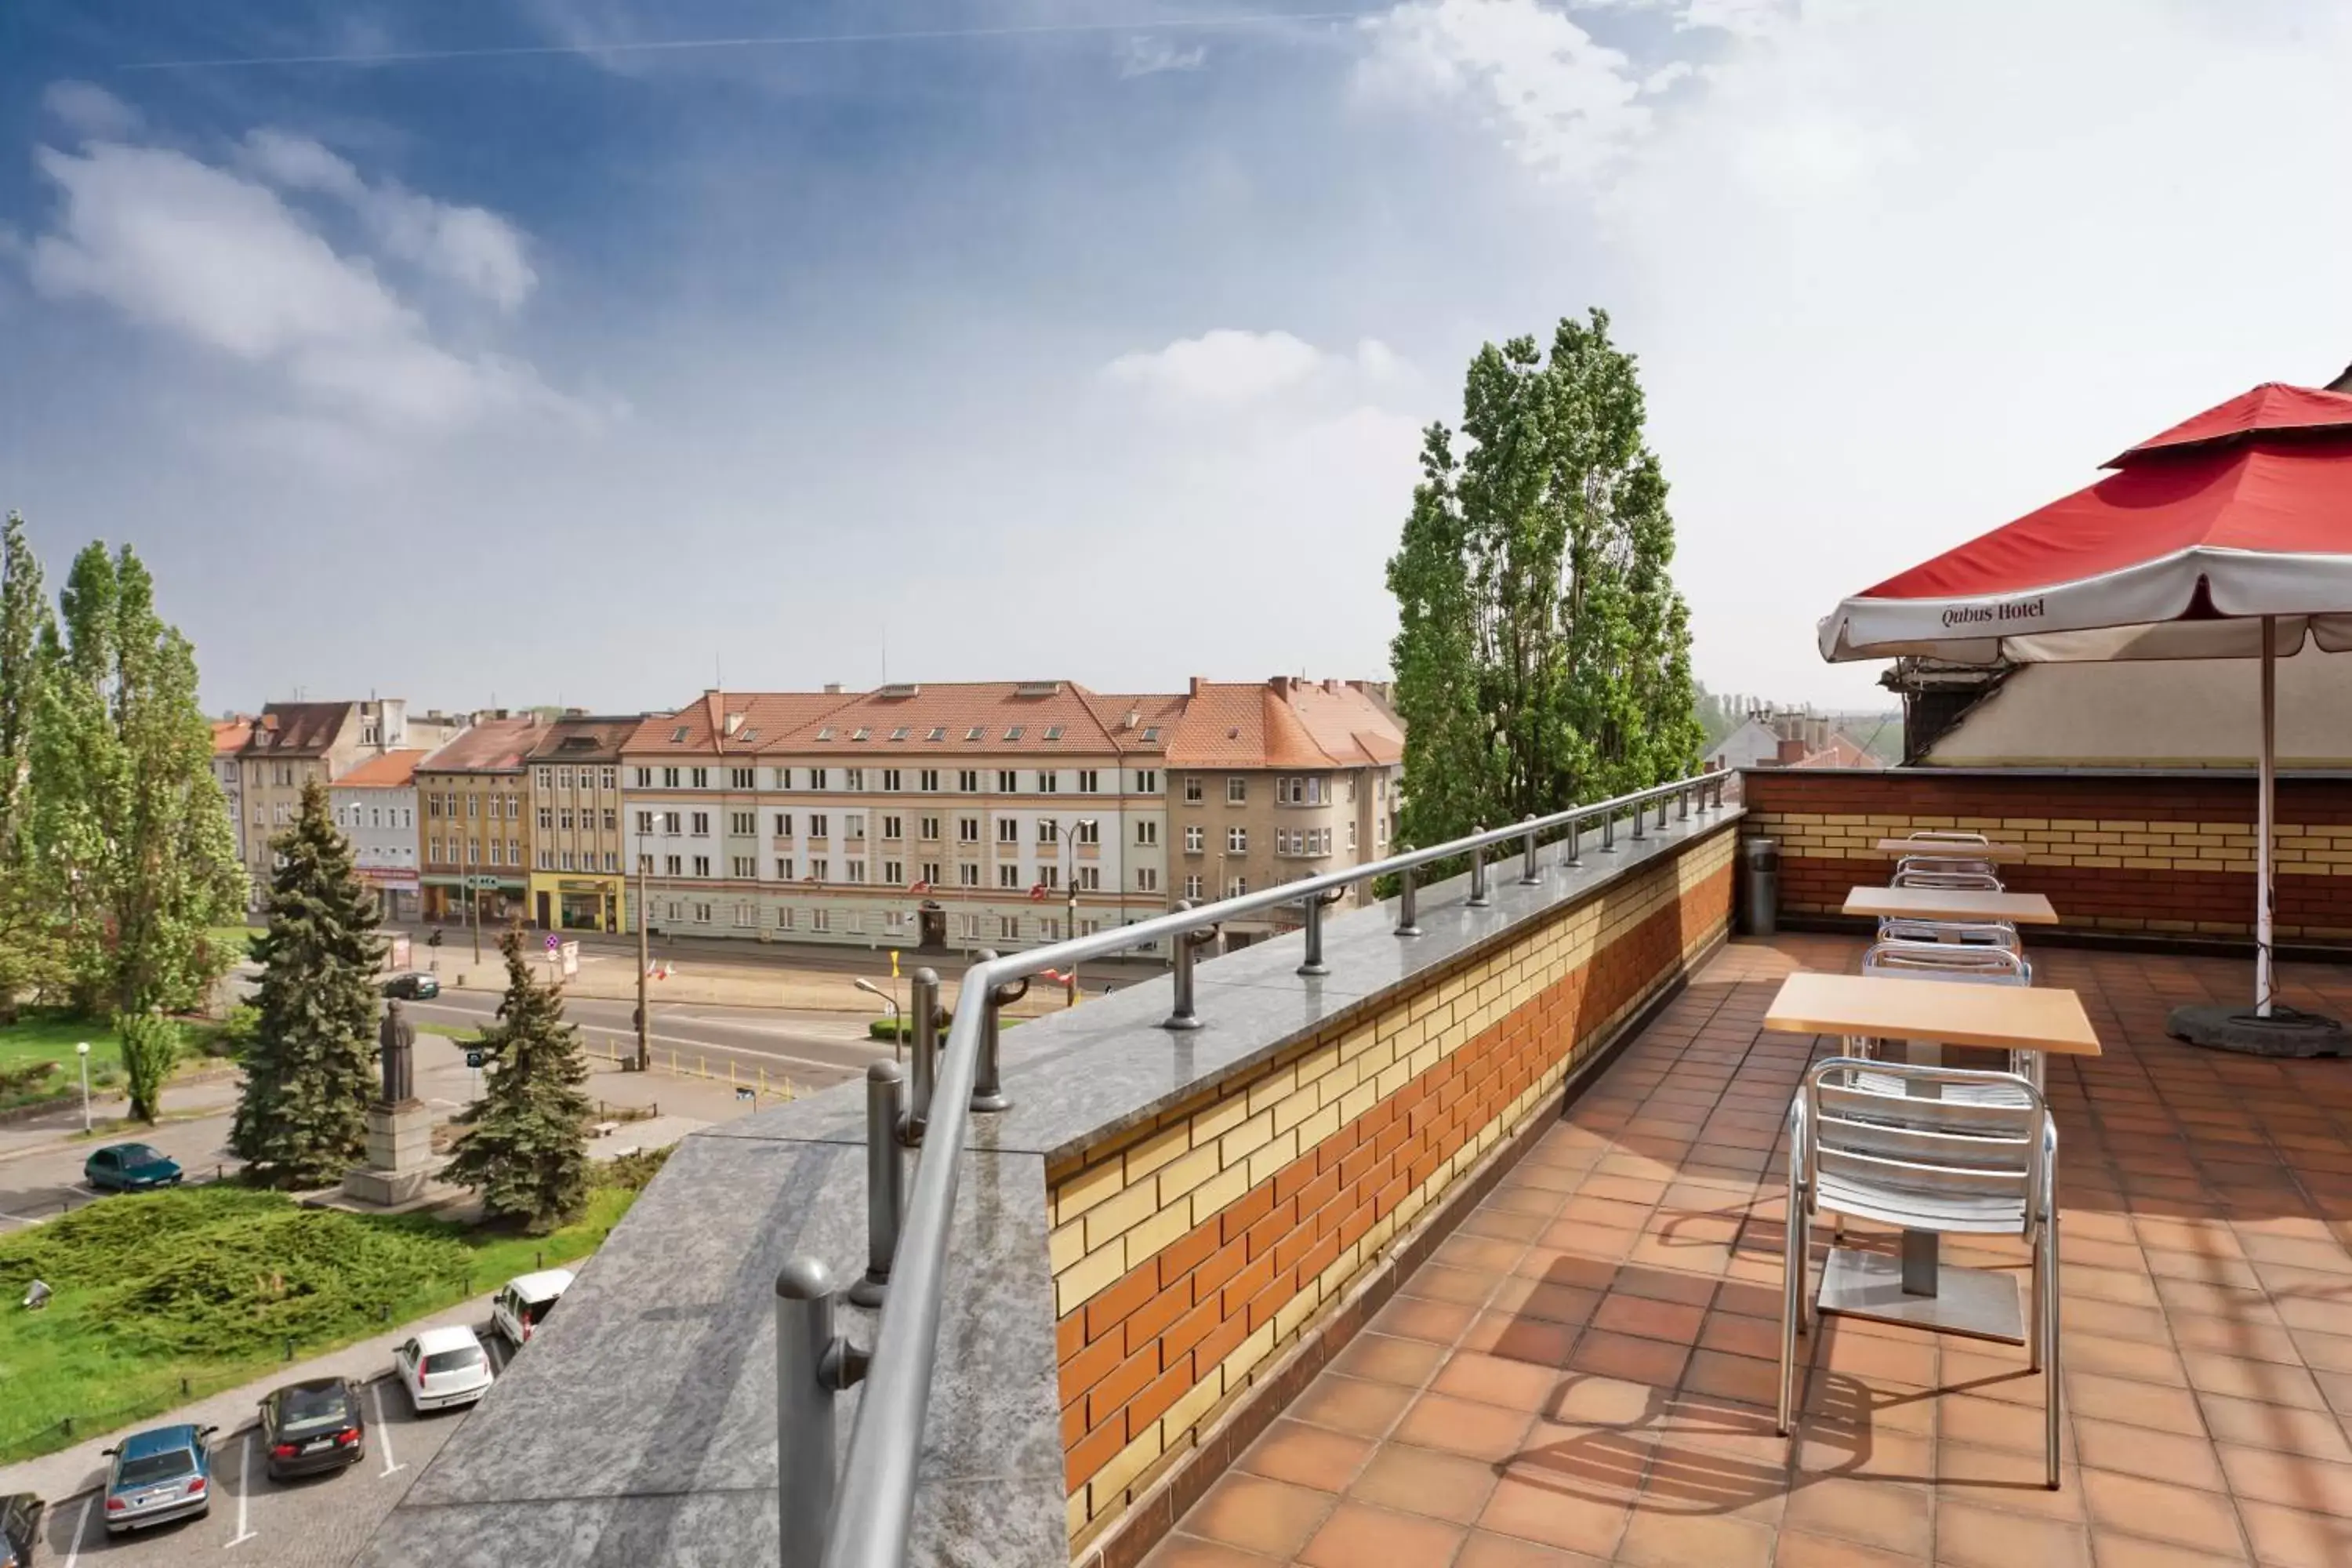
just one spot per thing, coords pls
(151, 1049)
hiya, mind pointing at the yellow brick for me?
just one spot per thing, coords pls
(1181, 1176)
(1124, 1467)
(1294, 1111)
(1218, 1120)
(1094, 1184)
(1280, 1152)
(1191, 1405)
(1248, 1354)
(1087, 1277)
(1333, 1086)
(1276, 1086)
(1080, 1510)
(1156, 1233)
(1225, 1187)
(1357, 1101)
(1169, 1144)
(1236, 1146)
(1293, 1313)
(1067, 1244)
(1318, 1127)
(1315, 1064)
(1393, 1079)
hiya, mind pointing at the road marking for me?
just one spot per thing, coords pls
(384, 1433)
(81, 1528)
(244, 1491)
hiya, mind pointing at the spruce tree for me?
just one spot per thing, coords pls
(301, 1120)
(526, 1152)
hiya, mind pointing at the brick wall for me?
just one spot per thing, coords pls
(2157, 853)
(1192, 1252)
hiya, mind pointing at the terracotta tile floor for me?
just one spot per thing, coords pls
(1582, 1373)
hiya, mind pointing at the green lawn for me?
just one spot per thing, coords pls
(38, 1036)
(163, 1297)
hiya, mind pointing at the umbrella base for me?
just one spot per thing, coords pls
(2286, 1032)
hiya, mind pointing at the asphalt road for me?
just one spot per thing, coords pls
(42, 1184)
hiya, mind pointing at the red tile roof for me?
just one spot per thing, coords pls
(703, 727)
(493, 746)
(229, 736)
(1284, 723)
(1019, 717)
(394, 770)
(298, 729)
(585, 738)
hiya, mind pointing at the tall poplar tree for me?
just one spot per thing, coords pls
(1543, 655)
(526, 1152)
(31, 959)
(301, 1119)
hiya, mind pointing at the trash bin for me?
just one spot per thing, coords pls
(1760, 901)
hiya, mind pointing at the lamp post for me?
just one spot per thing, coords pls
(1070, 879)
(82, 1051)
(897, 1017)
(645, 962)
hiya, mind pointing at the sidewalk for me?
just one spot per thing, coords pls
(70, 1471)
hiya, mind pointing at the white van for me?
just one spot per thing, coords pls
(526, 1300)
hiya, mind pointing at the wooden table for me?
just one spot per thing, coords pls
(1929, 1015)
(1945, 850)
(1950, 904)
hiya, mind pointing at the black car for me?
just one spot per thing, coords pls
(311, 1427)
(415, 985)
(20, 1527)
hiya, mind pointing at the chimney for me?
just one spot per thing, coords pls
(1134, 717)
(1279, 685)
(1790, 753)
(734, 722)
(833, 688)
(497, 713)
(2342, 383)
(1198, 682)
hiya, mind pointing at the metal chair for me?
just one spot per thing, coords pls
(1948, 881)
(1976, 963)
(1945, 864)
(1902, 1145)
(1963, 933)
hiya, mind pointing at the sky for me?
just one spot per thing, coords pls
(505, 351)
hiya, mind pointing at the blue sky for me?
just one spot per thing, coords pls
(505, 351)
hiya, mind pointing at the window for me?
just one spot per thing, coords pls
(745, 915)
(1237, 886)
(1008, 928)
(568, 864)
(854, 826)
(673, 824)
(743, 824)
(968, 875)
(673, 866)
(1049, 876)
(784, 778)
(1007, 782)
(929, 829)
(968, 781)
(702, 825)
(783, 867)
(817, 777)
(973, 734)
(1147, 781)
(702, 865)
(861, 733)
(1089, 830)
(967, 830)
(820, 871)
(1192, 788)
(891, 828)
(1008, 830)
(473, 851)
(431, 807)
(644, 776)
(546, 819)
(890, 781)
(1053, 731)
(1146, 880)
(785, 920)
(1236, 840)
(669, 780)
(856, 870)
(900, 733)
(820, 919)
(611, 818)
(854, 779)
(606, 778)
(671, 918)
(894, 873)
(611, 859)
(931, 873)
(820, 825)
(1351, 835)
(1237, 789)
(1008, 876)
(701, 914)
(1088, 781)
(938, 732)
(1048, 780)
(741, 778)
(1048, 929)
(473, 806)
(702, 778)
(514, 807)
(1048, 830)
(563, 818)
(547, 860)
(1090, 878)
(433, 850)
(927, 780)
(1147, 831)
(746, 868)
(1012, 732)
(783, 825)
(1192, 887)
(545, 775)
(1195, 837)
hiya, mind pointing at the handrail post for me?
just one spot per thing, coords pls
(925, 1005)
(1661, 813)
(1183, 1016)
(1408, 917)
(1609, 831)
(1682, 798)
(1478, 898)
(1314, 964)
(1575, 856)
(813, 1364)
(1640, 815)
(988, 1081)
(1530, 874)
(886, 1179)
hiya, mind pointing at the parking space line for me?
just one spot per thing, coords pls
(81, 1528)
(384, 1433)
(244, 1490)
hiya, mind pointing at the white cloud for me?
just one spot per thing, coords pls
(1565, 103)
(1230, 368)
(470, 246)
(1146, 56)
(89, 111)
(222, 262)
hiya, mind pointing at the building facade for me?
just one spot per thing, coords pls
(578, 879)
(293, 742)
(375, 806)
(229, 736)
(1276, 781)
(472, 796)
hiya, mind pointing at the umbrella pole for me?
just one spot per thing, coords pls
(2265, 811)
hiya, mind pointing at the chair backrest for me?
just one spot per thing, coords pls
(1888, 1131)
(1948, 881)
(1966, 933)
(1974, 962)
(1945, 863)
(1945, 836)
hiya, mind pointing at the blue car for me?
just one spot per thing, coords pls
(160, 1474)
(130, 1168)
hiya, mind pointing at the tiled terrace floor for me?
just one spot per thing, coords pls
(1582, 1374)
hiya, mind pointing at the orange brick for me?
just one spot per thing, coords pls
(1292, 1178)
(1070, 1335)
(1222, 1341)
(1180, 1257)
(1151, 1319)
(1126, 1381)
(1073, 1423)
(1253, 1279)
(1355, 1224)
(1162, 1391)
(1190, 1329)
(1271, 1229)
(1245, 1211)
(1266, 1302)
(1295, 1243)
(1089, 1366)
(1109, 1309)
(1221, 1266)
(1317, 1259)
(1317, 1193)
(1090, 1454)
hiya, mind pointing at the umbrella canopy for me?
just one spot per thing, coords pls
(2240, 513)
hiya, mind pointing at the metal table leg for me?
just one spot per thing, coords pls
(1922, 1249)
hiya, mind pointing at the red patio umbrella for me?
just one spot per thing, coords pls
(2228, 536)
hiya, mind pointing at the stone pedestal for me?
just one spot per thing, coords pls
(399, 1155)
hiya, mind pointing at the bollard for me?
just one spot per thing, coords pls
(886, 1179)
(1181, 1015)
(289, 1347)
(925, 1006)
(1314, 964)
(538, 1258)
(1530, 874)
(812, 1365)
(1575, 847)
(1479, 900)
(987, 1079)
(183, 1388)
(1408, 917)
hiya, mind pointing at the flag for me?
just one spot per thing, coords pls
(920, 888)
(1037, 893)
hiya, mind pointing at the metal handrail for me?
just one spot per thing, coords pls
(874, 1503)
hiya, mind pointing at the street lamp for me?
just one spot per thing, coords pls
(1070, 877)
(82, 1051)
(897, 1017)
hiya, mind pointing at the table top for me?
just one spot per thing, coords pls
(1954, 1012)
(1951, 904)
(1943, 849)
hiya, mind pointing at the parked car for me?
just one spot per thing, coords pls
(130, 1168)
(158, 1475)
(313, 1426)
(415, 985)
(526, 1301)
(20, 1528)
(441, 1367)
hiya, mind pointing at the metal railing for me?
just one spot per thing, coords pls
(860, 1517)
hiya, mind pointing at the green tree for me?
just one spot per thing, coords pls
(31, 956)
(151, 1049)
(1543, 655)
(526, 1152)
(301, 1120)
(131, 839)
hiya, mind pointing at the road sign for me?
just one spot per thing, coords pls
(555, 943)
(483, 884)
(473, 1059)
(893, 964)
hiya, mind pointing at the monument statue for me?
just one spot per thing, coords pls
(396, 1039)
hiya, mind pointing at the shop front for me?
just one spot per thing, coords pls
(576, 903)
(494, 900)
(396, 889)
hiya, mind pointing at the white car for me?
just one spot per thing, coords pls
(441, 1367)
(526, 1301)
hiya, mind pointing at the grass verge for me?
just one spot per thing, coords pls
(165, 1297)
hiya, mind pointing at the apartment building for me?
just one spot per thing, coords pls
(477, 833)
(293, 742)
(578, 881)
(375, 806)
(1276, 781)
(946, 816)
(229, 736)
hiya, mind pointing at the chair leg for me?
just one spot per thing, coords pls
(2054, 1396)
(1792, 1292)
(2035, 1310)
